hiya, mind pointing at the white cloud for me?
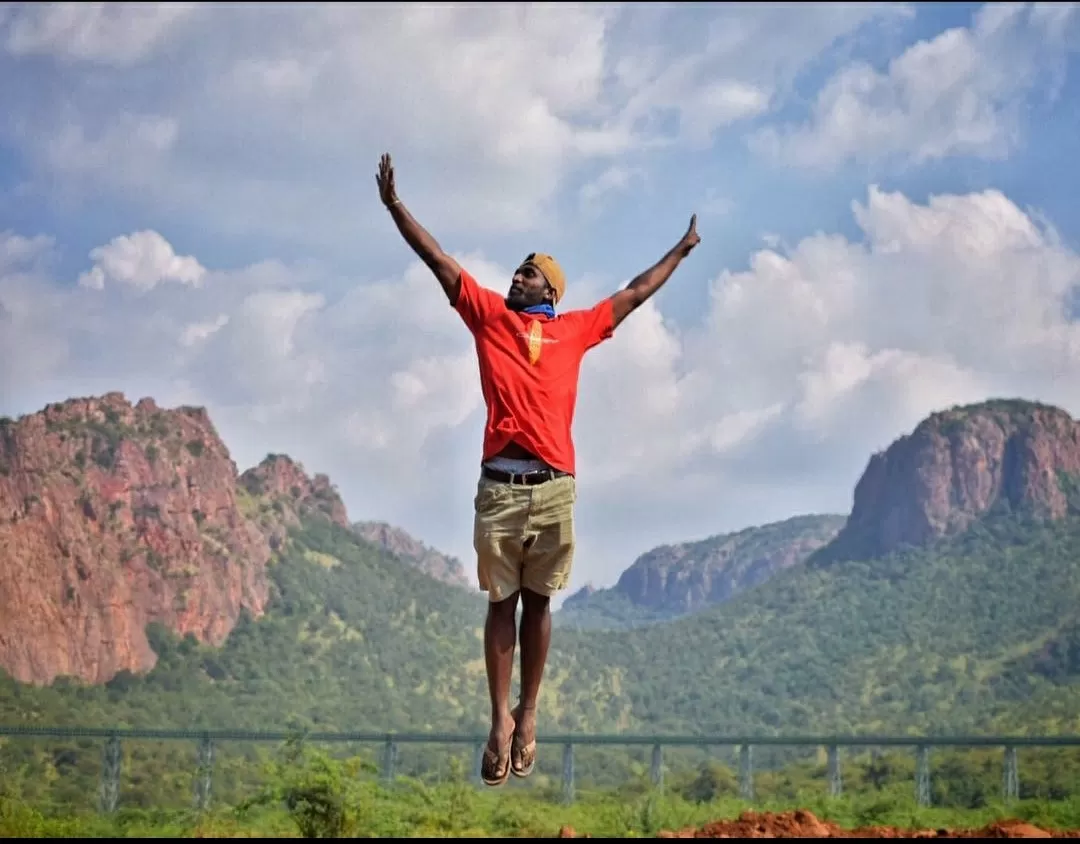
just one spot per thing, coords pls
(141, 260)
(809, 360)
(615, 179)
(715, 205)
(19, 251)
(117, 34)
(33, 344)
(962, 92)
(264, 357)
(141, 142)
(197, 332)
(271, 122)
(441, 391)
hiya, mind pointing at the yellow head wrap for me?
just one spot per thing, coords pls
(551, 270)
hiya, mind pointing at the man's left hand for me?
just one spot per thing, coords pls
(690, 239)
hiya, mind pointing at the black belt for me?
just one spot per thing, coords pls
(535, 476)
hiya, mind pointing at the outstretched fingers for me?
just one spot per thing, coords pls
(385, 177)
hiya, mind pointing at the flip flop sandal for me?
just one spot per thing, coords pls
(525, 753)
(491, 763)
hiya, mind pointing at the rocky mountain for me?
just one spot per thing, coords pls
(410, 550)
(675, 580)
(958, 466)
(279, 492)
(285, 491)
(114, 516)
(975, 632)
(414, 552)
(279, 478)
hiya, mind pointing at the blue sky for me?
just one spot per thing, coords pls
(885, 194)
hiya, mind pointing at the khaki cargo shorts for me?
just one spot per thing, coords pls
(524, 536)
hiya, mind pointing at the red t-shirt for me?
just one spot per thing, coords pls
(529, 366)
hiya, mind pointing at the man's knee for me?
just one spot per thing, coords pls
(534, 603)
(547, 573)
(498, 572)
(503, 608)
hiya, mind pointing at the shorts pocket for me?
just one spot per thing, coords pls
(491, 495)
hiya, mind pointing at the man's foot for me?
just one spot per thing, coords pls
(523, 747)
(495, 766)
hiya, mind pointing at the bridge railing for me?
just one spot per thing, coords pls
(112, 756)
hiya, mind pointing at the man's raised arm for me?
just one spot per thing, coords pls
(444, 267)
(647, 283)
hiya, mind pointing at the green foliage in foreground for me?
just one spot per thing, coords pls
(308, 793)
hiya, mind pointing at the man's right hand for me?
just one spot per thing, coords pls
(444, 267)
(385, 181)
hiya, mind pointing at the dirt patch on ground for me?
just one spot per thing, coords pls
(802, 824)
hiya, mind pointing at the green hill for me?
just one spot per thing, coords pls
(972, 631)
(976, 635)
(922, 640)
(919, 640)
(351, 640)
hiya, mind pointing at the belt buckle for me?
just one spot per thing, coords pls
(526, 477)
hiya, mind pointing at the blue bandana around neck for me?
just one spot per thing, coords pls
(545, 309)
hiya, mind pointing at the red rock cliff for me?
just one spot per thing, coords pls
(958, 466)
(280, 478)
(111, 517)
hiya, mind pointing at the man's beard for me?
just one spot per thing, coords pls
(516, 300)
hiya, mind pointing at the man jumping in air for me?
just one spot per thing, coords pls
(523, 530)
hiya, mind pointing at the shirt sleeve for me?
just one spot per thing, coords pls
(596, 324)
(475, 304)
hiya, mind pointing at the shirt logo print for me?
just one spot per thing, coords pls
(536, 342)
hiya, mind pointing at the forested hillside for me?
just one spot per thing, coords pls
(929, 639)
(971, 630)
(671, 581)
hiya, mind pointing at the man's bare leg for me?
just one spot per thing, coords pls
(535, 638)
(499, 639)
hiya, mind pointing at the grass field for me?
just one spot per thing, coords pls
(311, 794)
(411, 810)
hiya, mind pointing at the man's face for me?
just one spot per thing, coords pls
(528, 287)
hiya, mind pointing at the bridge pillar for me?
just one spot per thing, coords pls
(835, 783)
(568, 773)
(478, 764)
(922, 775)
(657, 768)
(746, 772)
(110, 774)
(389, 759)
(1011, 774)
(204, 769)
